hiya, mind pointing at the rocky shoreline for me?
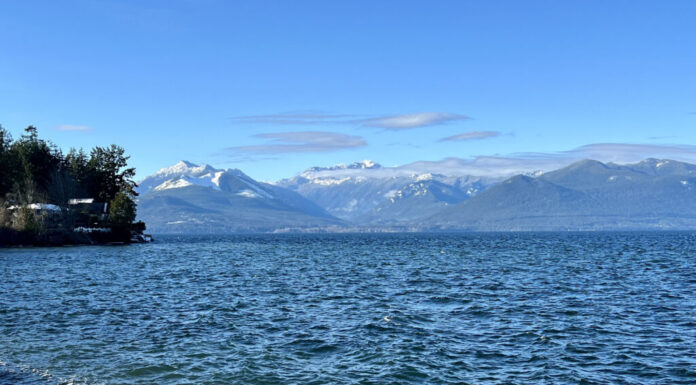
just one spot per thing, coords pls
(15, 238)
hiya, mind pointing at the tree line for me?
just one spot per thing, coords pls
(34, 170)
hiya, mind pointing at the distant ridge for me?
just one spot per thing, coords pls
(586, 195)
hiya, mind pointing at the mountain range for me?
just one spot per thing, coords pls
(188, 198)
(587, 195)
(364, 196)
(365, 193)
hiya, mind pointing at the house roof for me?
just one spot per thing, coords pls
(80, 201)
(38, 206)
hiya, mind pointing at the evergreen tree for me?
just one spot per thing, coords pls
(36, 158)
(110, 174)
(33, 170)
(5, 171)
(122, 212)
(76, 165)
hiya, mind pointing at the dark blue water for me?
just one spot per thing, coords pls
(597, 308)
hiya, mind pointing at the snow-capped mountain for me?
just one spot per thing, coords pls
(189, 197)
(366, 193)
(184, 174)
(365, 164)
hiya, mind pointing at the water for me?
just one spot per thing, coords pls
(595, 308)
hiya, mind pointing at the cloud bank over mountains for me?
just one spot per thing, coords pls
(632, 152)
(530, 162)
(525, 162)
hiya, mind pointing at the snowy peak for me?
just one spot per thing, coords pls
(185, 168)
(356, 172)
(365, 164)
(422, 177)
(173, 183)
(211, 179)
(663, 164)
(186, 174)
(183, 174)
(534, 174)
(654, 162)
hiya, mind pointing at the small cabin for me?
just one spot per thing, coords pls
(50, 214)
(88, 212)
(37, 207)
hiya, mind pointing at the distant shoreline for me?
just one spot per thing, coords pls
(424, 232)
(82, 239)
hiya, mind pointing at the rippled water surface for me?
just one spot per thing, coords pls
(597, 308)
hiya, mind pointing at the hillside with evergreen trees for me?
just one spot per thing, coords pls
(47, 197)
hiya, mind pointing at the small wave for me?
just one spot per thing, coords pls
(27, 375)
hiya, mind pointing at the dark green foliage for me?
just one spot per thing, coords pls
(5, 170)
(36, 158)
(121, 210)
(138, 227)
(76, 165)
(33, 170)
(34, 162)
(109, 173)
(121, 216)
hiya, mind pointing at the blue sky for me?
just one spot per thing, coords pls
(275, 87)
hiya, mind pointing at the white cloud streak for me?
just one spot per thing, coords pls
(301, 141)
(295, 118)
(408, 121)
(386, 122)
(473, 135)
(72, 127)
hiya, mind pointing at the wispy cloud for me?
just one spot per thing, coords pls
(387, 122)
(72, 127)
(301, 141)
(408, 121)
(300, 118)
(473, 135)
